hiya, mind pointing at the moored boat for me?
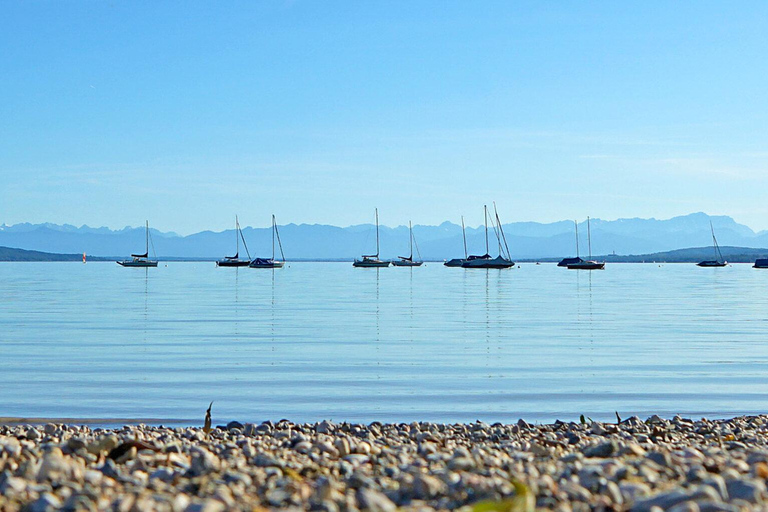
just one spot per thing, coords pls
(589, 264)
(718, 261)
(372, 260)
(271, 262)
(572, 261)
(503, 260)
(569, 261)
(409, 261)
(235, 261)
(761, 263)
(141, 260)
(457, 262)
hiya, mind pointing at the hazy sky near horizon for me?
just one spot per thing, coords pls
(187, 113)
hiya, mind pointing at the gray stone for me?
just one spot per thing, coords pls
(209, 505)
(601, 450)
(342, 447)
(45, 503)
(747, 490)
(264, 428)
(264, 460)
(597, 429)
(426, 486)
(663, 500)
(717, 483)
(720, 507)
(164, 473)
(235, 425)
(660, 458)
(325, 427)
(12, 485)
(110, 469)
(575, 491)
(614, 493)
(686, 506)
(374, 501)
(203, 462)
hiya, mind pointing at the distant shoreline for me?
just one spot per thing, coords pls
(689, 255)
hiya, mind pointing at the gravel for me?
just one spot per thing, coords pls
(656, 464)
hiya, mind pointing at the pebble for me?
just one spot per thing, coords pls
(374, 501)
(679, 465)
(747, 490)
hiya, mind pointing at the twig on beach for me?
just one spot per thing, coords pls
(207, 424)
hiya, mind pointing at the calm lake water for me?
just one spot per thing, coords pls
(325, 340)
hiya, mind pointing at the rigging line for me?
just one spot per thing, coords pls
(244, 244)
(464, 234)
(417, 246)
(485, 212)
(152, 243)
(279, 243)
(496, 232)
(501, 228)
(717, 247)
(577, 238)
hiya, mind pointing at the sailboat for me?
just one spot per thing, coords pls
(235, 261)
(589, 264)
(408, 262)
(570, 261)
(372, 260)
(271, 262)
(141, 260)
(457, 262)
(718, 261)
(503, 260)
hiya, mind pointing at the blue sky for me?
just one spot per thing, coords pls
(187, 113)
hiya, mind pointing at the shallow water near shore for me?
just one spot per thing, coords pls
(325, 340)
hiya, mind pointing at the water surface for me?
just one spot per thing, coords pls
(325, 340)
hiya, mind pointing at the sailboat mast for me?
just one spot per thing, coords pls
(410, 230)
(485, 210)
(273, 237)
(589, 239)
(237, 236)
(276, 234)
(577, 238)
(377, 233)
(464, 233)
(146, 239)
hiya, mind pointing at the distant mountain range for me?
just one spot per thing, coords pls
(527, 240)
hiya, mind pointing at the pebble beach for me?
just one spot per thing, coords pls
(636, 464)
